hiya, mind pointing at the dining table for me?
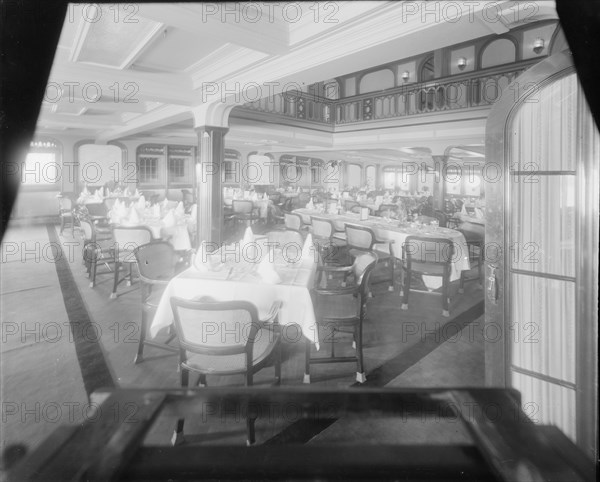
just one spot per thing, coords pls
(393, 230)
(232, 277)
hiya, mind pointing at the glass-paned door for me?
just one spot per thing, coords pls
(542, 272)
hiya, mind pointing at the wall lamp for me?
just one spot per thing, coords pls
(462, 63)
(538, 45)
(405, 75)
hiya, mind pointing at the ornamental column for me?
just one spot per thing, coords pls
(209, 196)
(439, 186)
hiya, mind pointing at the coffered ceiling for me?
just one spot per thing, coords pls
(123, 71)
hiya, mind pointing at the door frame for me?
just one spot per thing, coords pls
(497, 315)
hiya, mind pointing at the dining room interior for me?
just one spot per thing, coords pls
(236, 222)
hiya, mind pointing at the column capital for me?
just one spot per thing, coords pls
(211, 129)
(214, 114)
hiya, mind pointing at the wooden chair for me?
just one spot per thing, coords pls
(343, 310)
(475, 245)
(389, 209)
(97, 212)
(324, 238)
(244, 211)
(430, 257)
(350, 206)
(66, 214)
(96, 248)
(360, 239)
(157, 264)
(127, 239)
(242, 344)
(294, 222)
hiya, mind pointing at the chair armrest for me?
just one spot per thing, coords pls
(338, 269)
(273, 312)
(384, 241)
(149, 281)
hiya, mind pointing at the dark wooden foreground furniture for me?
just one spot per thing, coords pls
(507, 445)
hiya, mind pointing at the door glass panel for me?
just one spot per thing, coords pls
(543, 224)
(547, 403)
(542, 330)
(543, 133)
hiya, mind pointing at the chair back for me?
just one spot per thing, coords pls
(89, 233)
(97, 209)
(442, 218)
(187, 196)
(293, 221)
(303, 199)
(127, 238)
(285, 237)
(420, 250)
(65, 204)
(387, 207)
(217, 328)
(349, 205)
(362, 267)
(242, 206)
(109, 203)
(322, 228)
(359, 237)
(275, 197)
(156, 261)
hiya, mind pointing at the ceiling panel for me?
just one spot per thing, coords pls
(112, 44)
(176, 50)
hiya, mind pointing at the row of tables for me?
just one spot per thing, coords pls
(239, 281)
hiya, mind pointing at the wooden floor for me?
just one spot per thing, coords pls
(62, 340)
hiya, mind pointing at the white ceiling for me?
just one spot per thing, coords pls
(152, 63)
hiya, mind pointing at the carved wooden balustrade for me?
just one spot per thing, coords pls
(464, 91)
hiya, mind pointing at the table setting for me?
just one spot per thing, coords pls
(254, 270)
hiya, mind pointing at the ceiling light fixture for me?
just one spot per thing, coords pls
(462, 63)
(538, 45)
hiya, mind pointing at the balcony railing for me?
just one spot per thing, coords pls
(464, 91)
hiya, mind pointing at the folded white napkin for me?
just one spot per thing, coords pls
(117, 204)
(308, 250)
(266, 270)
(194, 212)
(310, 205)
(85, 190)
(165, 202)
(169, 220)
(179, 210)
(201, 259)
(156, 211)
(133, 218)
(98, 194)
(137, 193)
(141, 202)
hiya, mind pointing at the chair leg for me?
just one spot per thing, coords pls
(445, 299)
(177, 438)
(113, 295)
(307, 362)
(407, 276)
(250, 418)
(461, 288)
(278, 364)
(361, 377)
(130, 279)
(480, 267)
(62, 224)
(392, 263)
(139, 357)
(94, 265)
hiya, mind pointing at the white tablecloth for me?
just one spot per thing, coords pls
(244, 284)
(391, 231)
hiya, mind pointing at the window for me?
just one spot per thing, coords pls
(231, 167)
(42, 164)
(398, 178)
(180, 160)
(148, 169)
